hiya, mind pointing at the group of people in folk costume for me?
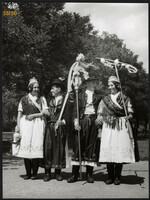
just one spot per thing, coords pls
(102, 129)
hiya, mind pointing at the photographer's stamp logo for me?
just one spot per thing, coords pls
(12, 12)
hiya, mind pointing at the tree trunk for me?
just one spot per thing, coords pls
(9, 114)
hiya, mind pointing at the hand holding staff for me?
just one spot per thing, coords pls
(77, 70)
(131, 69)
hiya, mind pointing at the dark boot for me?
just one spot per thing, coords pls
(118, 170)
(35, 166)
(89, 173)
(28, 166)
(57, 175)
(110, 170)
(47, 175)
(75, 173)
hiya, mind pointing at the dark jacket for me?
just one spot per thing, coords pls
(67, 114)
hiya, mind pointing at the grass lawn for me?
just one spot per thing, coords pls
(143, 145)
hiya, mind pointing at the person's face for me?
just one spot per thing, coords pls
(55, 90)
(35, 90)
(92, 84)
(112, 87)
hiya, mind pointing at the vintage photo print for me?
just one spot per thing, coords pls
(75, 100)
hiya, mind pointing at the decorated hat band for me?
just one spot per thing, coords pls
(113, 79)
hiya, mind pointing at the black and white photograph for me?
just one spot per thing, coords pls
(75, 100)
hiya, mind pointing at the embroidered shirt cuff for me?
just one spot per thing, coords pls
(75, 122)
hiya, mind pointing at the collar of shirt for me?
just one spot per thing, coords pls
(114, 99)
(34, 98)
(115, 95)
(57, 99)
(89, 92)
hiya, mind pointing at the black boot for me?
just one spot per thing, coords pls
(35, 166)
(89, 173)
(27, 163)
(75, 173)
(57, 175)
(118, 169)
(47, 175)
(110, 170)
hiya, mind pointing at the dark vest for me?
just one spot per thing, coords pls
(82, 103)
(28, 106)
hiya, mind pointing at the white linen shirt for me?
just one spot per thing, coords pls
(89, 109)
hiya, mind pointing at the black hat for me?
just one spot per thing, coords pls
(93, 75)
(59, 83)
(92, 78)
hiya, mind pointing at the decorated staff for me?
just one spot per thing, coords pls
(85, 137)
(74, 77)
(77, 74)
(77, 70)
(114, 111)
(76, 84)
(112, 63)
(115, 64)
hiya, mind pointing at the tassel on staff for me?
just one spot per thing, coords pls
(74, 80)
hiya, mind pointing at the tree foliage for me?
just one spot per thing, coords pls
(43, 41)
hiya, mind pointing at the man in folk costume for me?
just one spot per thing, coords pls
(88, 103)
(55, 149)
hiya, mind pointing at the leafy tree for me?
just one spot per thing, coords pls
(136, 86)
(43, 41)
(54, 38)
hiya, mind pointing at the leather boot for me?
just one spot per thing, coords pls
(57, 175)
(27, 163)
(47, 175)
(74, 177)
(110, 170)
(35, 166)
(118, 169)
(89, 172)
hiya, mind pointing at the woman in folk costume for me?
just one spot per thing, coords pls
(31, 126)
(117, 145)
(55, 141)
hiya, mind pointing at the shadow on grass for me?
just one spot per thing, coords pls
(40, 176)
(66, 175)
(132, 180)
(129, 179)
(98, 176)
